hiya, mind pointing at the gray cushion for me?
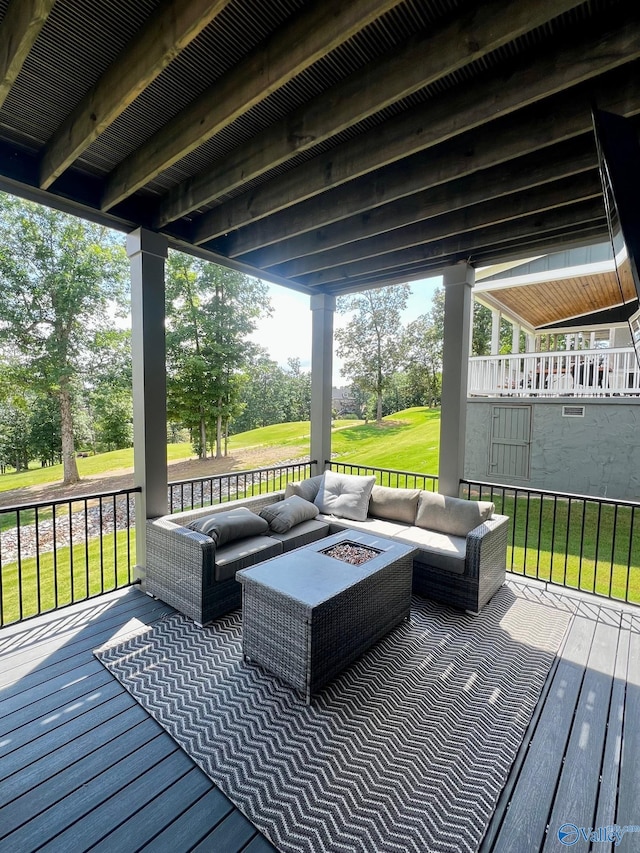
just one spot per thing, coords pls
(344, 495)
(284, 515)
(302, 534)
(307, 489)
(229, 526)
(243, 553)
(394, 504)
(451, 515)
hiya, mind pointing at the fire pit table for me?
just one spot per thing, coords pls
(306, 614)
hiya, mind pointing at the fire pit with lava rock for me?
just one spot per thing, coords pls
(351, 552)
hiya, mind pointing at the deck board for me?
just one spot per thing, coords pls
(577, 791)
(84, 767)
(525, 822)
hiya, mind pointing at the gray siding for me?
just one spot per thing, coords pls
(598, 454)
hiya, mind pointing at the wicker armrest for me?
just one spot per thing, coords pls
(487, 548)
(179, 551)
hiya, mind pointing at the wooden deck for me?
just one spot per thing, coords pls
(82, 766)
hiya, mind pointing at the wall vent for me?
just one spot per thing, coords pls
(573, 411)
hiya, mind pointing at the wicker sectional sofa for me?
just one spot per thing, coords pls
(460, 556)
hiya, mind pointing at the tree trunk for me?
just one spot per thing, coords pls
(69, 464)
(203, 439)
(379, 407)
(219, 453)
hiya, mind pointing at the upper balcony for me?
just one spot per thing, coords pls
(583, 373)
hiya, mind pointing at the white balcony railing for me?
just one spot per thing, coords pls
(581, 373)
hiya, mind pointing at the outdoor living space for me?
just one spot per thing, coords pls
(84, 766)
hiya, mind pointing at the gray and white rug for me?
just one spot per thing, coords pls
(407, 750)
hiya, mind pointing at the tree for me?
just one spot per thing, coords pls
(423, 343)
(109, 401)
(211, 311)
(263, 393)
(371, 342)
(58, 277)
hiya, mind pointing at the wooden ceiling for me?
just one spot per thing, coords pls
(328, 145)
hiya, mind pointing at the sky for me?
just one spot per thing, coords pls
(287, 333)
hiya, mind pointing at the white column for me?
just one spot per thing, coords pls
(323, 308)
(495, 331)
(458, 282)
(515, 339)
(147, 252)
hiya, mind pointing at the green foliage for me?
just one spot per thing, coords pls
(272, 394)
(371, 342)
(211, 311)
(58, 277)
(422, 346)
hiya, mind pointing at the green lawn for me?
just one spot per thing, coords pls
(102, 566)
(582, 549)
(406, 441)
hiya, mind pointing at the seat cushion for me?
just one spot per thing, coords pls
(302, 534)
(244, 553)
(455, 516)
(284, 515)
(436, 549)
(394, 504)
(344, 495)
(225, 527)
(375, 526)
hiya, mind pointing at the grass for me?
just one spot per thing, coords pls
(287, 436)
(407, 441)
(65, 575)
(585, 547)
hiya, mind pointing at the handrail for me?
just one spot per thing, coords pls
(580, 373)
(59, 552)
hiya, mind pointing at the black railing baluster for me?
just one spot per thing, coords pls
(613, 549)
(72, 579)
(87, 573)
(128, 516)
(36, 532)
(19, 554)
(597, 547)
(115, 544)
(100, 528)
(566, 549)
(55, 558)
(630, 553)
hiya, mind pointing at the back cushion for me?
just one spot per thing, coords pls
(344, 495)
(454, 516)
(307, 489)
(228, 526)
(394, 504)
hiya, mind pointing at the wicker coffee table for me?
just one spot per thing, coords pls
(307, 615)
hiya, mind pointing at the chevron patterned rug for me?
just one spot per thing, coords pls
(407, 750)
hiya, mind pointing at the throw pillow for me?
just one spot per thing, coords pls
(284, 515)
(344, 495)
(455, 516)
(394, 504)
(307, 489)
(228, 526)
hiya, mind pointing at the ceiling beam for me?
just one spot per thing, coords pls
(526, 215)
(564, 192)
(157, 44)
(522, 173)
(563, 118)
(20, 27)
(380, 83)
(420, 128)
(453, 252)
(289, 51)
